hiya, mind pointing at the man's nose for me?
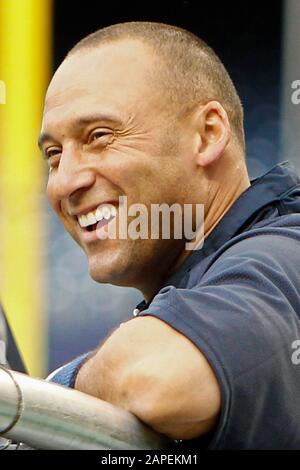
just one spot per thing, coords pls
(72, 175)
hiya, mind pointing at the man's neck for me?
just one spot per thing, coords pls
(222, 197)
(222, 203)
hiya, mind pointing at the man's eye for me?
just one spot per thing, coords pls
(52, 152)
(52, 156)
(100, 135)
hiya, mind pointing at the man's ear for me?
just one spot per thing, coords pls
(213, 129)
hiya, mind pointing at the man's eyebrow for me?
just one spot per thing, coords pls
(81, 122)
(44, 136)
(84, 120)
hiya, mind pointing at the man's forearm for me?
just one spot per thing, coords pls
(99, 378)
(152, 371)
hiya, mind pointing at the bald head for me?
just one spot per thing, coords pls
(187, 71)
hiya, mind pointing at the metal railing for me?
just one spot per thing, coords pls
(44, 415)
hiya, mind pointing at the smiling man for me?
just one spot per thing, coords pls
(147, 112)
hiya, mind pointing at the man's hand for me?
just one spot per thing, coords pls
(157, 374)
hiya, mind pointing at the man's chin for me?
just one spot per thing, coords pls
(107, 269)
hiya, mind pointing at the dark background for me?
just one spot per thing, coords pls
(248, 38)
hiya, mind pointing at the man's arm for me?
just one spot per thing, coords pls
(158, 374)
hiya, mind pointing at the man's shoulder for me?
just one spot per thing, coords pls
(285, 221)
(267, 234)
(270, 243)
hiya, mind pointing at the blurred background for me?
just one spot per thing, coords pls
(55, 310)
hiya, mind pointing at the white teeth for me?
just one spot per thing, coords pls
(83, 221)
(99, 215)
(105, 211)
(113, 211)
(91, 218)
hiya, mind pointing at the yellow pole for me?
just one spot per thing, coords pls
(25, 54)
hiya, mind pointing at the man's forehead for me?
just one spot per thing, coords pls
(100, 70)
